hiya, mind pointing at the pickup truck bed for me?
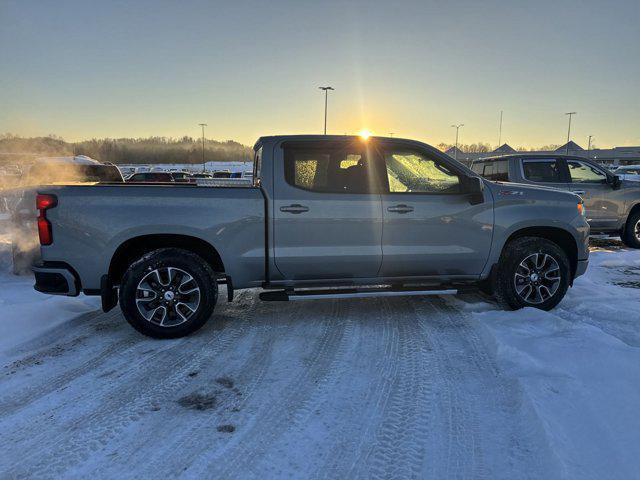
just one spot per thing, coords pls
(99, 222)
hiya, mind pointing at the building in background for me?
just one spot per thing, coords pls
(606, 156)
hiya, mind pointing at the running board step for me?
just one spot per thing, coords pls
(292, 295)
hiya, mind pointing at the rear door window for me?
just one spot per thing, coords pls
(328, 169)
(542, 170)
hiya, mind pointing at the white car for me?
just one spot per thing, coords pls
(628, 172)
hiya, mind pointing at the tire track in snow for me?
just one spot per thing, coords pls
(79, 438)
(195, 440)
(435, 405)
(272, 421)
(399, 443)
(348, 449)
(25, 396)
(494, 432)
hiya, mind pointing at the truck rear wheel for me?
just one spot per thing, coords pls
(631, 235)
(168, 293)
(533, 272)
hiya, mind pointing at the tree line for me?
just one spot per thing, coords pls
(15, 149)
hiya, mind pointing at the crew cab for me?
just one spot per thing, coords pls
(335, 216)
(612, 204)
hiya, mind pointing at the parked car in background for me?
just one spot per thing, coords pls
(151, 177)
(12, 170)
(612, 204)
(201, 175)
(628, 172)
(10, 176)
(127, 171)
(62, 170)
(182, 177)
(221, 174)
(325, 216)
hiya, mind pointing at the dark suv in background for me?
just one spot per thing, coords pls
(612, 205)
(154, 177)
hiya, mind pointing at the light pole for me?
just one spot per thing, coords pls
(589, 147)
(391, 134)
(571, 114)
(457, 127)
(326, 94)
(500, 131)
(203, 163)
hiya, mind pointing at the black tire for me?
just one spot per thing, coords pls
(178, 319)
(631, 235)
(512, 277)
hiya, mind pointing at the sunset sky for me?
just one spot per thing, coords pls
(136, 68)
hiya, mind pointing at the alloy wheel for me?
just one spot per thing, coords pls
(167, 296)
(537, 278)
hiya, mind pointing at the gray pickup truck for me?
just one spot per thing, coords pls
(337, 216)
(612, 204)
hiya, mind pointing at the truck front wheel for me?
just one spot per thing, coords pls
(168, 293)
(533, 272)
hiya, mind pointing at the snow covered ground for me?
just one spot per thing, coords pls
(579, 365)
(361, 388)
(25, 313)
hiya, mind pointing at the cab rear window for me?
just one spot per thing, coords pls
(496, 171)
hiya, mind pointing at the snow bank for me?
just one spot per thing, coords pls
(25, 313)
(580, 366)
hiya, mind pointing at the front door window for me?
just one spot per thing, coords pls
(409, 172)
(584, 173)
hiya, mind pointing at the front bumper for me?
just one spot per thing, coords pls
(55, 279)
(581, 267)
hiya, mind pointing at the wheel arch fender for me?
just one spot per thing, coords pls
(555, 233)
(133, 248)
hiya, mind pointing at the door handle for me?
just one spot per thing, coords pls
(578, 192)
(295, 209)
(402, 208)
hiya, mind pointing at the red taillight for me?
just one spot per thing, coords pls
(44, 203)
(44, 231)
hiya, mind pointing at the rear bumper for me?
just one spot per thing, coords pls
(55, 280)
(581, 267)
